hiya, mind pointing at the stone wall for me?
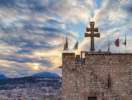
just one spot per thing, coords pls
(102, 75)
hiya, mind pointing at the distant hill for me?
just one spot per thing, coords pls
(46, 75)
(42, 79)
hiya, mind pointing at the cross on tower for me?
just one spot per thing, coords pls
(90, 32)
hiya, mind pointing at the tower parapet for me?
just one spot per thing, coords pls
(72, 58)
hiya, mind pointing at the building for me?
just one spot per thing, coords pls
(96, 75)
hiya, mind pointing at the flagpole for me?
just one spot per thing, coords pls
(125, 43)
(108, 46)
(119, 47)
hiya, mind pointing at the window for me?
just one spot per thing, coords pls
(109, 81)
(92, 98)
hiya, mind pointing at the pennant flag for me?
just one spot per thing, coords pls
(76, 46)
(66, 45)
(108, 46)
(125, 42)
(117, 42)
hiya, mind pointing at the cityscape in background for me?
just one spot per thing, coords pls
(40, 86)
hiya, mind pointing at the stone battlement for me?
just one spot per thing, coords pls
(98, 57)
(96, 75)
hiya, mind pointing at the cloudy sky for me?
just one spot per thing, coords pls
(32, 32)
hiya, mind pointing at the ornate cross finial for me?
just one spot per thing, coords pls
(90, 32)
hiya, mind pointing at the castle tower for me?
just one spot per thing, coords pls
(100, 76)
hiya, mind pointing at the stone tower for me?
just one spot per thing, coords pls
(97, 76)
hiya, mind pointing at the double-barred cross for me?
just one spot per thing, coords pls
(92, 32)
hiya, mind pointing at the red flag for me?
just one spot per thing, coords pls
(117, 42)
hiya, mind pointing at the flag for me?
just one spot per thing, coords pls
(117, 42)
(125, 41)
(66, 45)
(108, 46)
(76, 46)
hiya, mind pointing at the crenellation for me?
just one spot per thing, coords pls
(108, 59)
(97, 58)
(68, 58)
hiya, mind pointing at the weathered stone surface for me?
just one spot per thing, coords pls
(82, 80)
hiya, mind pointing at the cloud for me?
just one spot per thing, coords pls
(32, 32)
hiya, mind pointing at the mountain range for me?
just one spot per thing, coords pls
(42, 79)
(37, 75)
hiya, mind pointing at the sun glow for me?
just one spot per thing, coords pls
(34, 66)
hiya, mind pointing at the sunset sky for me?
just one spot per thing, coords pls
(32, 32)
